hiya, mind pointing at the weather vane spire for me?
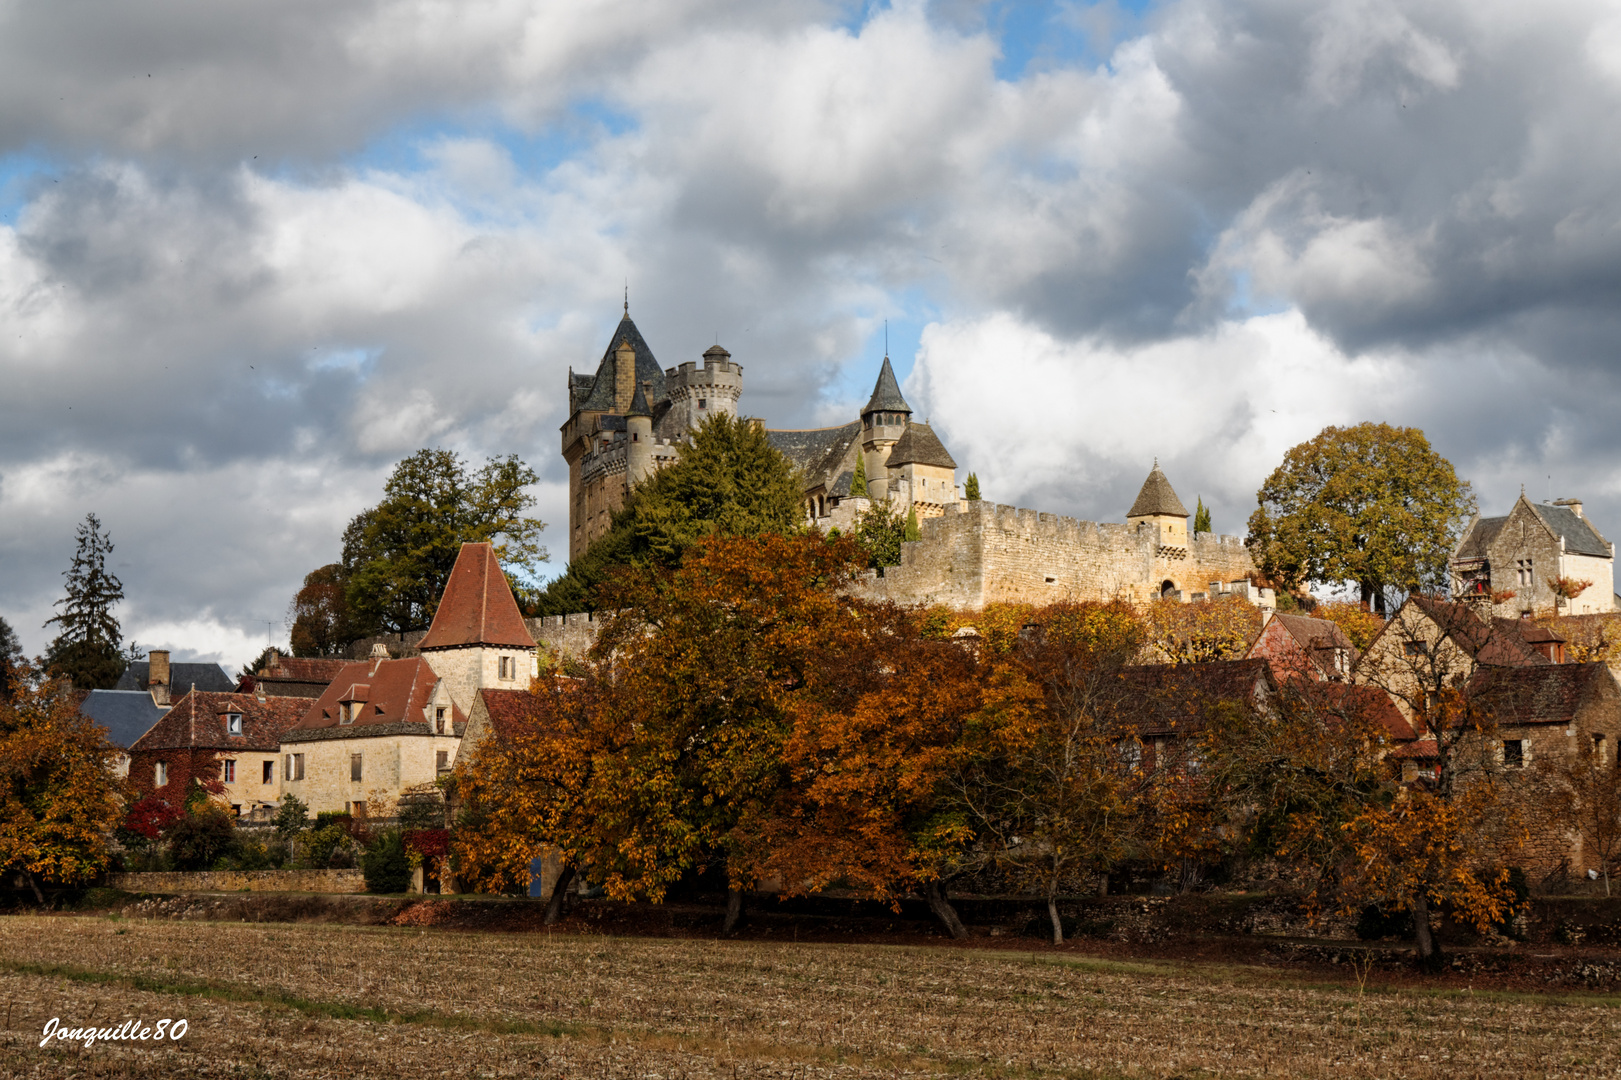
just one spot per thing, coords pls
(627, 296)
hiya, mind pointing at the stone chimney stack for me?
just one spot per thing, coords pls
(1574, 504)
(157, 676)
(624, 376)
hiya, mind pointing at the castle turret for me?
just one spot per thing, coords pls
(478, 638)
(883, 422)
(1158, 508)
(639, 432)
(696, 394)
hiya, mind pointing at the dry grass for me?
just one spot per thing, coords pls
(305, 1001)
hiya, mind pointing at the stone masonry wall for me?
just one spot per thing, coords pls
(979, 553)
(316, 881)
(566, 635)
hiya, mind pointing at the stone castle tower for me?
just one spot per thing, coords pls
(629, 419)
(478, 639)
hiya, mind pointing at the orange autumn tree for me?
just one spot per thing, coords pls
(871, 732)
(1220, 628)
(698, 674)
(1049, 767)
(59, 796)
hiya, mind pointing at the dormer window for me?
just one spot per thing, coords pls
(346, 712)
(233, 723)
(439, 720)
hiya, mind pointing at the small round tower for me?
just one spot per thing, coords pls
(697, 393)
(639, 435)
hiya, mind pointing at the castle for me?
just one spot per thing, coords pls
(631, 418)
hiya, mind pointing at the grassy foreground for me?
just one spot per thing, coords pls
(272, 1000)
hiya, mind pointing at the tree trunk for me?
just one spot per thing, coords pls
(554, 903)
(943, 910)
(734, 910)
(1058, 924)
(1429, 954)
(33, 883)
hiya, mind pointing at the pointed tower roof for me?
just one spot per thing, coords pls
(596, 392)
(638, 403)
(1157, 497)
(477, 607)
(886, 393)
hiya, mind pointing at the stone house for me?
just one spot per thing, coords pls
(1518, 562)
(296, 676)
(1299, 646)
(1542, 716)
(1170, 703)
(230, 737)
(385, 726)
(1432, 645)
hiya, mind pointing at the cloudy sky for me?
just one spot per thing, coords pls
(251, 254)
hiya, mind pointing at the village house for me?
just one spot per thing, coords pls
(386, 727)
(157, 676)
(1538, 559)
(1170, 703)
(230, 737)
(1302, 647)
(125, 715)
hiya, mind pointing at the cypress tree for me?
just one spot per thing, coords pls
(912, 532)
(87, 649)
(970, 490)
(11, 652)
(1201, 519)
(858, 483)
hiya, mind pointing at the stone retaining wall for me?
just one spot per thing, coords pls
(314, 881)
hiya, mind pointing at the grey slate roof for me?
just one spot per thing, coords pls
(919, 445)
(597, 392)
(1580, 537)
(1480, 537)
(126, 714)
(818, 451)
(638, 403)
(1156, 497)
(182, 677)
(886, 393)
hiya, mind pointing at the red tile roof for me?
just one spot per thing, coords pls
(198, 720)
(306, 668)
(383, 692)
(1537, 695)
(1500, 643)
(1172, 698)
(477, 607)
(516, 710)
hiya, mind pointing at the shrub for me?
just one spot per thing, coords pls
(332, 817)
(321, 846)
(199, 839)
(385, 865)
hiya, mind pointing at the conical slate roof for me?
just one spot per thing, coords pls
(919, 445)
(477, 607)
(597, 392)
(1156, 497)
(886, 393)
(638, 403)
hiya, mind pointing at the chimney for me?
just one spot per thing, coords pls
(1574, 504)
(157, 675)
(624, 376)
(379, 653)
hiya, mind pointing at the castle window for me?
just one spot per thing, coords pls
(703, 403)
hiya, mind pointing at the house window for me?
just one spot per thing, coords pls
(1415, 648)
(160, 774)
(269, 772)
(506, 667)
(442, 760)
(1599, 749)
(233, 723)
(346, 712)
(439, 720)
(1514, 753)
(1526, 575)
(294, 767)
(230, 771)
(354, 767)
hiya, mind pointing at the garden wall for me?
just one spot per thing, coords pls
(314, 881)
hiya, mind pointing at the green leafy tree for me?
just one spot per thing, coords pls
(1201, 518)
(318, 621)
(385, 864)
(87, 648)
(858, 482)
(292, 817)
(880, 530)
(1370, 504)
(729, 481)
(398, 555)
(970, 490)
(912, 531)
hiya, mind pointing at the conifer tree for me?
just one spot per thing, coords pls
(912, 532)
(858, 483)
(87, 649)
(970, 490)
(11, 654)
(1201, 518)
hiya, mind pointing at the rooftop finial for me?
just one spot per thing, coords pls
(627, 298)
(886, 339)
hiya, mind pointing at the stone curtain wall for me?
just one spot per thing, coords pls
(978, 553)
(315, 881)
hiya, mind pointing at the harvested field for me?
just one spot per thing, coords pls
(272, 1000)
